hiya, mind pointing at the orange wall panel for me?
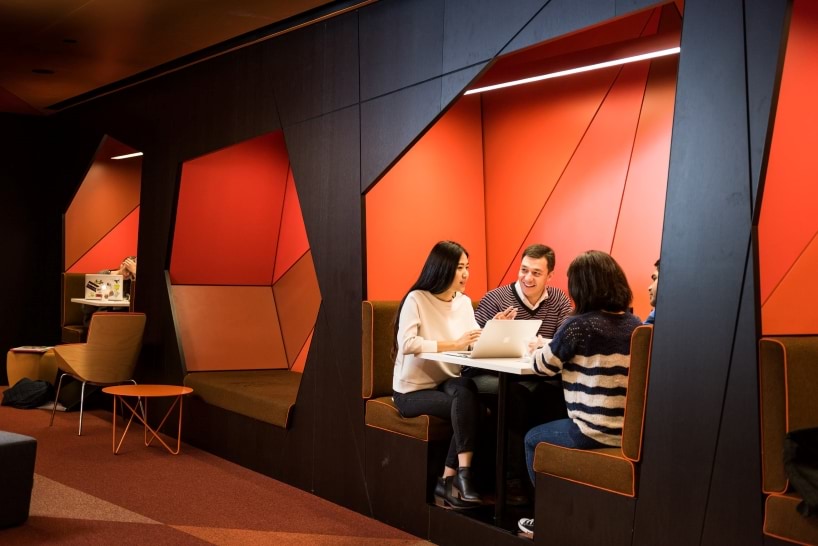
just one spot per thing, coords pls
(109, 193)
(228, 328)
(582, 212)
(292, 236)
(229, 213)
(789, 210)
(297, 298)
(434, 192)
(531, 133)
(120, 242)
(638, 238)
(793, 306)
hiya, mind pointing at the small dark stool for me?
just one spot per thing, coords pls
(17, 453)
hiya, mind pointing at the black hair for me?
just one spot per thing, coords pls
(656, 265)
(597, 283)
(436, 277)
(538, 251)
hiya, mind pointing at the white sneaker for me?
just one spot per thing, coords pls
(526, 526)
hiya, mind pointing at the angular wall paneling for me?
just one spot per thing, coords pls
(704, 339)
(701, 343)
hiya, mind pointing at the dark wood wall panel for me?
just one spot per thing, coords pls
(705, 247)
(391, 123)
(325, 153)
(560, 17)
(734, 509)
(455, 83)
(401, 44)
(765, 22)
(496, 23)
(315, 70)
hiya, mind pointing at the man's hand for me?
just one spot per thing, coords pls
(510, 313)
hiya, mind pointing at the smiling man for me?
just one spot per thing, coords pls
(530, 297)
(536, 400)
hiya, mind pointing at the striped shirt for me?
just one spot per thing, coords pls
(551, 311)
(592, 352)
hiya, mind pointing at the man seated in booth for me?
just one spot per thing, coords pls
(127, 268)
(539, 399)
(653, 290)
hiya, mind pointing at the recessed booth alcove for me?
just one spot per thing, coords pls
(576, 162)
(244, 292)
(101, 226)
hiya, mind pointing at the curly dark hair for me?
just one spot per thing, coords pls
(597, 283)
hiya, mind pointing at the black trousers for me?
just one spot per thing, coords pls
(454, 400)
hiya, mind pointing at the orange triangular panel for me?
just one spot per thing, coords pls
(301, 359)
(297, 298)
(292, 236)
(117, 244)
(792, 308)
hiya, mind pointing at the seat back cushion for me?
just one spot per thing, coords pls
(641, 343)
(73, 286)
(376, 347)
(788, 377)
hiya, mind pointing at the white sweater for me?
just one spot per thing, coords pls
(423, 321)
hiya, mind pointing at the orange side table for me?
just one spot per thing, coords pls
(142, 393)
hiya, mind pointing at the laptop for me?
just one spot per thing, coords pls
(99, 286)
(503, 339)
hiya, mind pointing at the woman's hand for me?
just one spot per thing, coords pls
(510, 313)
(535, 343)
(467, 339)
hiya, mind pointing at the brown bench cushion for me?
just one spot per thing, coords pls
(382, 413)
(266, 395)
(605, 468)
(781, 520)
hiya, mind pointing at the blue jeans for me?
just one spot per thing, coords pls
(562, 432)
(454, 400)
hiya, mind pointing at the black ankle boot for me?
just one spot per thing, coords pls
(463, 486)
(444, 497)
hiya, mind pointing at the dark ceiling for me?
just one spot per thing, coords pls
(56, 52)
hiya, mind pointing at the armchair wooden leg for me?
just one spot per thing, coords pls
(82, 403)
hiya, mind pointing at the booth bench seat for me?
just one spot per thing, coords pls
(266, 395)
(788, 377)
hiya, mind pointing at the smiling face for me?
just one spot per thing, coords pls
(653, 287)
(533, 277)
(460, 276)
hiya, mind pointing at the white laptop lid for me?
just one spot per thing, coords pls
(99, 286)
(505, 338)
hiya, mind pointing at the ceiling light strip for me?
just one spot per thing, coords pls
(578, 70)
(126, 156)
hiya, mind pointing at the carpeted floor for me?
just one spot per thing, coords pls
(85, 495)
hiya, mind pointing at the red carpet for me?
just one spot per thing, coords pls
(85, 495)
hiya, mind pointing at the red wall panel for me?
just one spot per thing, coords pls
(229, 212)
(120, 242)
(292, 237)
(109, 193)
(638, 238)
(434, 192)
(789, 212)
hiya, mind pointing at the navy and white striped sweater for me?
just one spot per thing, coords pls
(552, 311)
(592, 352)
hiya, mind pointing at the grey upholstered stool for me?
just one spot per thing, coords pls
(17, 454)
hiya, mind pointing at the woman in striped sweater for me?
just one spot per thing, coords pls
(591, 351)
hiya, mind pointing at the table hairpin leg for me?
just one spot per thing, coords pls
(142, 405)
